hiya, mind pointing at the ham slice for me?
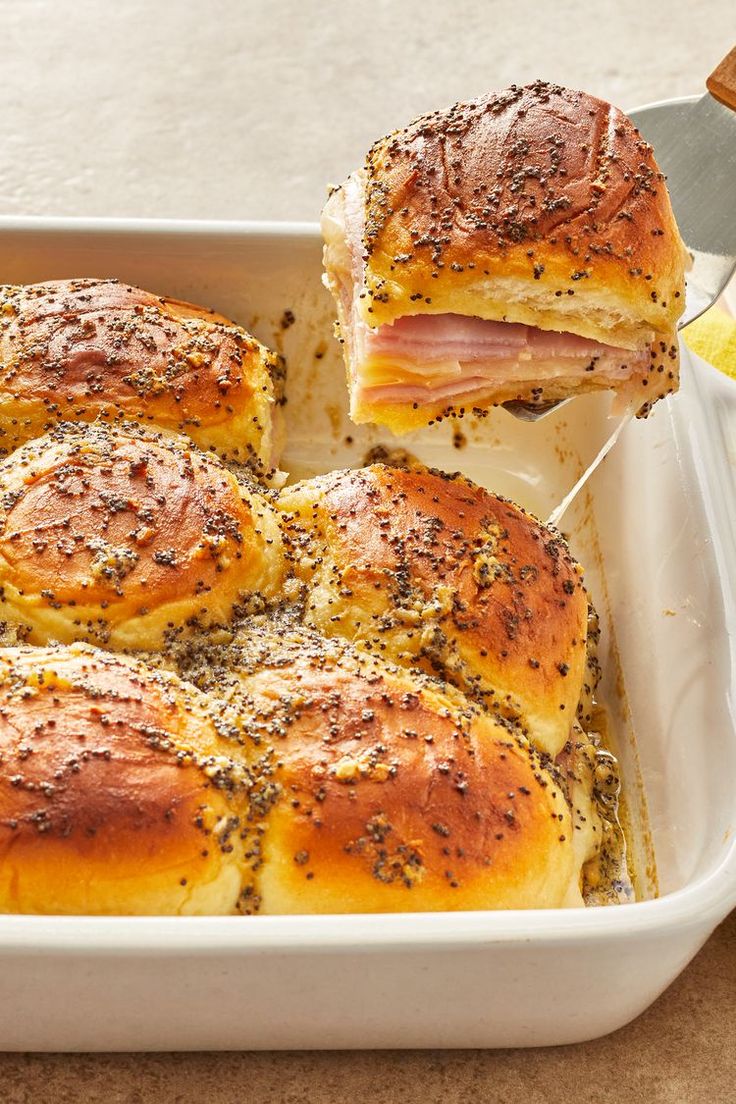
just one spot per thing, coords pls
(445, 337)
(450, 357)
(470, 356)
(457, 337)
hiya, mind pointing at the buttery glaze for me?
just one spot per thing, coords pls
(608, 878)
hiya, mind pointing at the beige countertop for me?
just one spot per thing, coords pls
(246, 109)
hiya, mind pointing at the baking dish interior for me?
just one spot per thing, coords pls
(642, 528)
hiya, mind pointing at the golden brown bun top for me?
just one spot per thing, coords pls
(121, 789)
(539, 182)
(121, 535)
(431, 570)
(82, 347)
(398, 796)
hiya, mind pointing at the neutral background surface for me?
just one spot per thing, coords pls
(245, 109)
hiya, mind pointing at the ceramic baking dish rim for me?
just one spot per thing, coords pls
(706, 900)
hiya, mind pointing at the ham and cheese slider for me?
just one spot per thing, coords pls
(390, 790)
(123, 790)
(127, 538)
(86, 350)
(520, 247)
(434, 573)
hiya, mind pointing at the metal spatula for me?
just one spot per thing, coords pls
(694, 143)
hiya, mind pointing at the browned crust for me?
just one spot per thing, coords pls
(113, 781)
(432, 570)
(124, 536)
(84, 349)
(393, 798)
(540, 182)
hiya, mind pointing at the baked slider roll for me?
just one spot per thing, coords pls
(396, 796)
(428, 569)
(122, 791)
(518, 247)
(127, 538)
(79, 350)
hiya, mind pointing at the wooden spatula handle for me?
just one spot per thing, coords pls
(722, 81)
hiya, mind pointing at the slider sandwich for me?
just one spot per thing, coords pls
(520, 247)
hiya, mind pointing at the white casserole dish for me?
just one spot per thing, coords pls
(657, 533)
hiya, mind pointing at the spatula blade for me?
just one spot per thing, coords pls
(694, 142)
